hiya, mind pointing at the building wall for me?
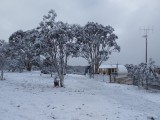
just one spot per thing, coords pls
(107, 71)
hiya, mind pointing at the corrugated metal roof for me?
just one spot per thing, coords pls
(121, 68)
(107, 66)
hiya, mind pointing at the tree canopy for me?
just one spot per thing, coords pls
(56, 41)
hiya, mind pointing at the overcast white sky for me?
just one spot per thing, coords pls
(125, 16)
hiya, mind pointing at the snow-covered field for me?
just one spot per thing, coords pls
(29, 96)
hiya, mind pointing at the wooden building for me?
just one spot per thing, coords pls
(113, 69)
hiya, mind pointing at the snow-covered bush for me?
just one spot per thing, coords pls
(143, 74)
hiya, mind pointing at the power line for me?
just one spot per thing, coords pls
(145, 35)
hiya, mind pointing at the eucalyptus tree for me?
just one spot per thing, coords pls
(56, 37)
(3, 57)
(97, 44)
(29, 48)
(22, 48)
(72, 48)
(16, 52)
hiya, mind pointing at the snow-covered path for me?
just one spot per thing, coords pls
(29, 96)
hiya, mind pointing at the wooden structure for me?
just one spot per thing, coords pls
(107, 69)
(113, 69)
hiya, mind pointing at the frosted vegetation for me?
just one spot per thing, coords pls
(52, 42)
(144, 75)
(48, 47)
(30, 95)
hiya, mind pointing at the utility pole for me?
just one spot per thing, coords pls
(146, 32)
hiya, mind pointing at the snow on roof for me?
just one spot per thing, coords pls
(107, 66)
(121, 68)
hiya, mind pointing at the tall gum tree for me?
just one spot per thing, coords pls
(56, 37)
(98, 42)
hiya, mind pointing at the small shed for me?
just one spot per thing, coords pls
(113, 69)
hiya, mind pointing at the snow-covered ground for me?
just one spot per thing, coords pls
(29, 96)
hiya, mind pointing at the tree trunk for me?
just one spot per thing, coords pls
(51, 70)
(97, 60)
(61, 80)
(91, 71)
(51, 74)
(62, 74)
(28, 66)
(142, 82)
(65, 66)
(62, 66)
(147, 85)
(1, 75)
(96, 68)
